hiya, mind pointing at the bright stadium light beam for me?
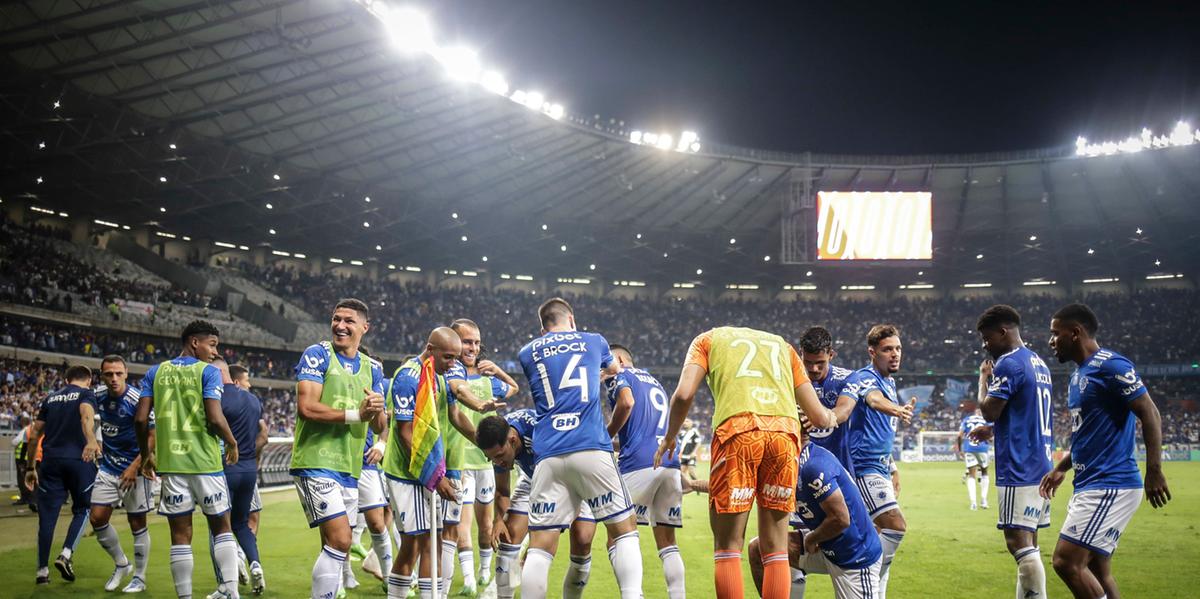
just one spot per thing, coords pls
(494, 82)
(461, 63)
(534, 100)
(408, 28)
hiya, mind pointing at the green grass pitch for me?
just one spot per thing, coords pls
(949, 551)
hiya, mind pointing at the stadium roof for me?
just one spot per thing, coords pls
(272, 121)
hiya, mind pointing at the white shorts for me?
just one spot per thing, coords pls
(976, 458)
(877, 493)
(410, 506)
(371, 490)
(1022, 508)
(256, 500)
(451, 511)
(324, 498)
(1097, 518)
(858, 583)
(519, 502)
(139, 499)
(181, 493)
(562, 483)
(479, 486)
(657, 496)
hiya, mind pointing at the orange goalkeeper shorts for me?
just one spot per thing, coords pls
(754, 463)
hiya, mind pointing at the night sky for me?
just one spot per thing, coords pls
(893, 78)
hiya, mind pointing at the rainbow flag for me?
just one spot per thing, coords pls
(428, 452)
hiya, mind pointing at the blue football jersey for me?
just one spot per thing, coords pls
(523, 421)
(969, 424)
(242, 410)
(564, 369)
(872, 433)
(1023, 433)
(1102, 425)
(117, 432)
(833, 439)
(647, 423)
(62, 435)
(821, 475)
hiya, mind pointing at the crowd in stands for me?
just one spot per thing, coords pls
(938, 334)
(34, 271)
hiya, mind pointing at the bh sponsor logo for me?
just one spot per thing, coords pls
(565, 422)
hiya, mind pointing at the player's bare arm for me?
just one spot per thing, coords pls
(489, 368)
(681, 402)
(309, 406)
(35, 436)
(260, 441)
(503, 501)
(1054, 478)
(808, 402)
(460, 421)
(620, 412)
(837, 520)
(220, 427)
(141, 424)
(87, 416)
(1155, 482)
(876, 400)
(463, 394)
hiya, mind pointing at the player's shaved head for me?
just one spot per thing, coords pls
(622, 353)
(443, 346)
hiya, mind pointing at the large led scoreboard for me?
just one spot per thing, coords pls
(874, 225)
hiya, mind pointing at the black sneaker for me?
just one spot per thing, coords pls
(65, 567)
(41, 580)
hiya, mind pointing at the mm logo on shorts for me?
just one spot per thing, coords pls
(543, 507)
(213, 499)
(777, 491)
(566, 422)
(675, 512)
(741, 494)
(641, 510)
(1032, 512)
(600, 500)
(172, 499)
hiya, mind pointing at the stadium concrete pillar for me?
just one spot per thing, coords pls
(141, 236)
(203, 250)
(373, 271)
(316, 266)
(259, 256)
(15, 209)
(81, 231)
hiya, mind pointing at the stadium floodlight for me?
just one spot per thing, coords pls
(449, 272)
(732, 240)
(172, 146)
(635, 136)
(686, 140)
(1139, 231)
(413, 268)
(1158, 262)
(524, 277)
(494, 82)
(57, 103)
(742, 286)
(591, 267)
(222, 244)
(300, 256)
(367, 199)
(41, 145)
(162, 179)
(1091, 251)
(485, 258)
(356, 262)
(858, 287)
(917, 286)
(460, 62)
(126, 228)
(1101, 280)
(39, 180)
(337, 261)
(766, 258)
(271, 231)
(505, 276)
(665, 255)
(378, 248)
(976, 285)
(1033, 238)
(684, 285)
(162, 208)
(391, 267)
(1182, 134)
(534, 100)
(699, 271)
(280, 253)
(1039, 283)
(1164, 276)
(639, 236)
(366, 225)
(556, 111)
(562, 248)
(979, 256)
(63, 214)
(42, 210)
(244, 248)
(664, 142)
(275, 176)
(408, 28)
(805, 287)
(269, 206)
(808, 274)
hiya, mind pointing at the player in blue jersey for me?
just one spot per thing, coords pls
(243, 412)
(639, 420)
(836, 536)
(1107, 400)
(120, 480)
(337, 387)
(817, 353)
(1015, 395)
(574, 450)
(64, 425)
(507, 442)
(974, 454)
(872, 436)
